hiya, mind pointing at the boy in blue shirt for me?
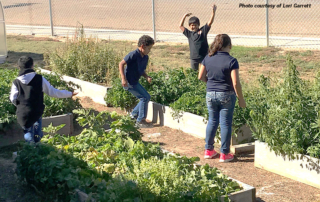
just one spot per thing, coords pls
(197, 38)
(137, 62)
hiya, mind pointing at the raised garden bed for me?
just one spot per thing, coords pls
(248, 194)
(94, 91)
(157, 113)
(303, 168)
(196, 126)
(14, 133)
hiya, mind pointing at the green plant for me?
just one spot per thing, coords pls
(52, 130)
(286, 114)
(112, 166)
(89, 59)
(58, 106)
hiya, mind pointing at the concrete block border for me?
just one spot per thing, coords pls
(66, 119)
(157, 113)
(16, 133)
(304, 169)
(94, 91)
(195, 125)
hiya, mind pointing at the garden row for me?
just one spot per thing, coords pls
(281, 112)
(110, 165)
(284, 113)
(115, 165)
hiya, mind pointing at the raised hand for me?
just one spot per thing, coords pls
(214, 7)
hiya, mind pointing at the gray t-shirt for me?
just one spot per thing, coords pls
(198, 43)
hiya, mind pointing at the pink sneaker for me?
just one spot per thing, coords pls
(226, 157)
(209, 154)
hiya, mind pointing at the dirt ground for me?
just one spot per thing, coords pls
(12, 190)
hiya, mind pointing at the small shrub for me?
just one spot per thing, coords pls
(88, 59)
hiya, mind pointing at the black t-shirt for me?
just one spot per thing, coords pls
(198, 43)
(219, 67)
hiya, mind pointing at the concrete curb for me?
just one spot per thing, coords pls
(67, 119)
(94, 91)
(196, 125)
(304, 168)
(17, 132)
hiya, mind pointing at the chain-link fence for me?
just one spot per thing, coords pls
(248, 22)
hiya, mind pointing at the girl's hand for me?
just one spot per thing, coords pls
(242, 103)
(149, 79)
(187, 14)
(124, 83)
(74, 93)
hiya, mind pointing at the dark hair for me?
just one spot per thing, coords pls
(25, 62)
(194, 20)
(145, 40)
(221, 41)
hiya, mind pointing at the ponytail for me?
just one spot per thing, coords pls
(221, 41)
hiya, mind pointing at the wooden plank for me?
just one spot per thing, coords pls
(66, 119)
(304, 169)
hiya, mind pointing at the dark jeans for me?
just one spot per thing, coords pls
(220, 106)
(35, 132)
(195, 63)
(141, 109)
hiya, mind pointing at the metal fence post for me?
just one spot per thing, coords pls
(153, 21)
(51, 23)
(267, 23)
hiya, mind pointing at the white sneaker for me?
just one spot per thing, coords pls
(133, 117)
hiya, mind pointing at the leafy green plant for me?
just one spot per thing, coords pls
(178, 88)
(52, 130)
(286, 114)
(7, 111)
(111, 166)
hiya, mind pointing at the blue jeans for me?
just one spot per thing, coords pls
(220, 106)
(35, 132)
(141, 109)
